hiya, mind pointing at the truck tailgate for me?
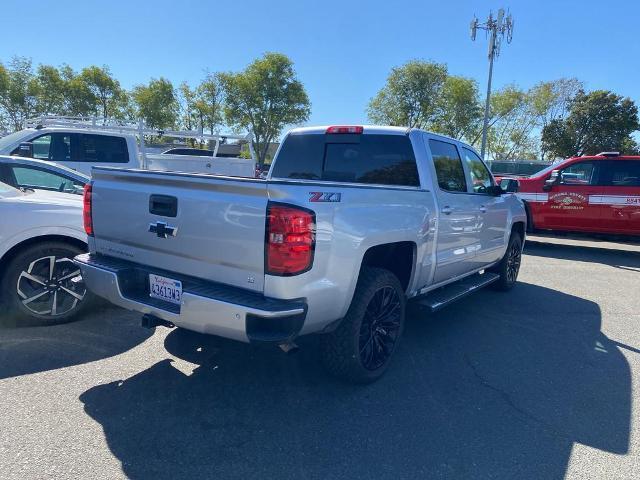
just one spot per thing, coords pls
(216, 231)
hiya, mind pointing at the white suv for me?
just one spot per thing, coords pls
(41, 233)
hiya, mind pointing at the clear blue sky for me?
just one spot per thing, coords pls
(342, 51)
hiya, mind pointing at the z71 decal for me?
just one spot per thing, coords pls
(324, 197)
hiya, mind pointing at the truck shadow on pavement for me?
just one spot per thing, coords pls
(499, 385)
(622, 258)
(38, 349)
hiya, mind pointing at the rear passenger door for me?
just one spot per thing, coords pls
(492, 211)
(89, 150)
(620, 200)
(458, 237)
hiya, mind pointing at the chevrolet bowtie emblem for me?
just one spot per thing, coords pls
(162, 230)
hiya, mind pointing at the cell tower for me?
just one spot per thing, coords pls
(496, 29)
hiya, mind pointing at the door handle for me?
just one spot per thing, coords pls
(483, 209)
(447, 210)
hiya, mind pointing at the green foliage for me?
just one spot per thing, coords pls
(50, 91)
(411, 95)
(80, 101)
(597, 121)
(265, 98)
(209, 98)
(18, 92)
(157, 103)
(550, 101)
(57, 91)
(104, 90)
(202, 106)
(422, 94)
(512, 120)
(458, 112)
(516, 117)
(186, 99)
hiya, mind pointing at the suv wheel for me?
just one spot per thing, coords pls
(509, 266)
(43, 286)
(360, 349)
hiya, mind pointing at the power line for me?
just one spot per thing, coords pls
(496, 29)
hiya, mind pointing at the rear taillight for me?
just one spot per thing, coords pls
(290, 239)
(345, 129)
(86, 210)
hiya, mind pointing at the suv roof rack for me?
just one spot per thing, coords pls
(608, 154)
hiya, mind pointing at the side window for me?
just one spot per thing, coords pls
(103, 149)
(448, 166)
(480, 176)
(55, 147)
(623, 173)
(582, 173)
(27, 177)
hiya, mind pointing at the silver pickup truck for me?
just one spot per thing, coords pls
(350, 223)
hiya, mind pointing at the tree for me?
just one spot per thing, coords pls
(78, 98)
(187, 100)
(209, 101)
(157, 103)
(4, 87)
(597, 121)
(551, 100)
(512, 123)
(264, 98)
(18, 92)
(459, 112)
(50, 91)
(104, 89)
(410, 98)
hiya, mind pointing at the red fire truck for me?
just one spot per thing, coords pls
(599, 194)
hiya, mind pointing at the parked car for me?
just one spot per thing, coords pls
(596, 194)
(28, 173)
(81, 144)
(350, 223)
(41, 233)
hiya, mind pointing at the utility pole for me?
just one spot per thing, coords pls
(496, 29)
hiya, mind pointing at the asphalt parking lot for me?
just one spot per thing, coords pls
(535, 383)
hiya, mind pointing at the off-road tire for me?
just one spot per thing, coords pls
(341, 349)
(510, 261)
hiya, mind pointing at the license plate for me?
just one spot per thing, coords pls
(164, 288)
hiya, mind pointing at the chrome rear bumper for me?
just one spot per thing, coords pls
(206, 307)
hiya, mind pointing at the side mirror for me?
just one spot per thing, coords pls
(510, 185)
(553, 179)
(25, 150)
(494, 190)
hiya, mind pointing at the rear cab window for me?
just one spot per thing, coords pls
(376, 159)
(102, 149)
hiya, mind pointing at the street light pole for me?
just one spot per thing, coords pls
(496, 29)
